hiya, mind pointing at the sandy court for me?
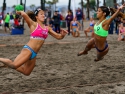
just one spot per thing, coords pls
(59, 70)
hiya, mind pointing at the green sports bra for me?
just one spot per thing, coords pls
(99, 30)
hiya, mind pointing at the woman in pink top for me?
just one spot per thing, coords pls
(121, 35)
(39, 33)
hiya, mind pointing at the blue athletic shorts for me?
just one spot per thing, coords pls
(74, 29)
(34, 54)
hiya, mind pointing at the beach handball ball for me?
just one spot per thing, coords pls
(19, 8)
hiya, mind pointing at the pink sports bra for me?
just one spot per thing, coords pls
(39, 33)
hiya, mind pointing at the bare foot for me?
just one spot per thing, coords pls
(82, 53)
(98, 59)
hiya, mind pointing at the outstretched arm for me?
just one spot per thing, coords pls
(115, 14)
(56, 35)
(28, 20)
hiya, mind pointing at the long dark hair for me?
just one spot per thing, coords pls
(105, 10)
(31, 15)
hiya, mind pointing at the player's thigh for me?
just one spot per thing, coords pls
(22, 58)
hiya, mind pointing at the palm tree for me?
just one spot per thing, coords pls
(49, 3)
(88, 9)
(25, 5)
(69, 5)
(32, 6)
(4, 7)
(82, 11)
(97, 4)
(104, 3)
(50, 7)
(13, 6)
(82, 5)
(54, 2)
(21, 2)
(114, 1)
(43, 4)
(122, 1)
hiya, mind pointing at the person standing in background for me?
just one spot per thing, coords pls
(11, 20)
(6, 22)
(79, 16)
(56, 21)
(111, 28)
(69, 18)
(1, 19)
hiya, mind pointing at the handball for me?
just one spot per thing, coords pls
(19, 8)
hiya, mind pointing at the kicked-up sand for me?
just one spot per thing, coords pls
(59, 70)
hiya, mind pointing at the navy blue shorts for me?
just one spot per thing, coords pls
(106, 46)
(6, 25)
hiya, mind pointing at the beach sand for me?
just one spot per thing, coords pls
(59, 70)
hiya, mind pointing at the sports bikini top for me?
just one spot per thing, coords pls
(74, 23)
(91, 23)
(39, 33)
(98, 29)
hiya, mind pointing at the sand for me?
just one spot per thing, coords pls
(59, 70)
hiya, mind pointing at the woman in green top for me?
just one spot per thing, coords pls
(100, 33)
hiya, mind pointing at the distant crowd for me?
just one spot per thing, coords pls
(73, 23)
(10, 21)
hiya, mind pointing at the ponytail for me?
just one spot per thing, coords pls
(31, 15)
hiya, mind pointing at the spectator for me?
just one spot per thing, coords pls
(111, 28)
(121, 36)
(90, 28)
(116, 6)
(1, 19)
(56, 21)
(51, 23)
(11, 20)
(16, 21)
(79, 16)
(75, 25)
(117, 21)
(69, 18)
(49, 14)
(6, 22)
(123, 21)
